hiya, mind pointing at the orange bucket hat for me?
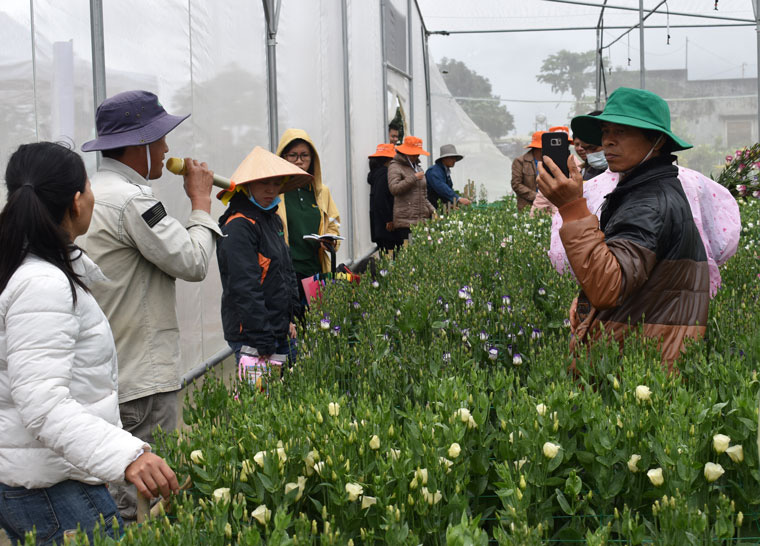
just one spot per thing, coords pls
(561, 129)
(412, 146)
(385, 150)
(536, 142)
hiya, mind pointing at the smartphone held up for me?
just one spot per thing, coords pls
(556, 146)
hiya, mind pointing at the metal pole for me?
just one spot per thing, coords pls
(347, 129)
(410, 62)
(428, 105)
(97, 41)
(34, 70)
(598, 99)
(384, 69)
(272, 13)
(642, 70)
(756, 8)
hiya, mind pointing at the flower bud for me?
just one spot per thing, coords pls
(197, 456)
(374, 443)
(454, 450)
(333, 409)
(541, 409)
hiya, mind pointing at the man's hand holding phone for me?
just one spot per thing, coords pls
(555, 186)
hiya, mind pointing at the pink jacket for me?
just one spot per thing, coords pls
(715, 213)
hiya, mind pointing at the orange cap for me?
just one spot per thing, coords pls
(536, 142)
(385, 150)
(412, 146)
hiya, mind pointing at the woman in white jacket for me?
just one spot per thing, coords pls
(60, 436)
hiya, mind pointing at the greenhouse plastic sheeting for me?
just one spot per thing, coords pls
(209, 59)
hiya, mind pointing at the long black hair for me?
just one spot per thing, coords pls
(42, 180)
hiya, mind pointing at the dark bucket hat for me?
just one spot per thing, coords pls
(634, 107)
(132, 118)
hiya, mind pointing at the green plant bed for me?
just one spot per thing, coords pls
(433, 406)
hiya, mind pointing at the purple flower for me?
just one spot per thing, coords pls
(468, 303)
(517, 359)
(536, 333)
(506, 300)
(483, 335)
(541, 292)
(489, 306)
(336, 330)
(447, 357)
(493, 353)
(729, 158)
(324, 323)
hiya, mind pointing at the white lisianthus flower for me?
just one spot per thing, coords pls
(736, 453)
(290, 486)
(259, 458)
(454, 450)
(262, 514)
(395, 454)
(318, 467)
(222, 494)
(721, 443)
(228, 530)
(374, 442)
(655, 476)
(471, 423)
(354, 490)
(541, 409)
(333, 409)
(550, 450)
(422, 475)
(642, 393)
(281, 455)
(368, 501)
(713, 471)
(633, 462)
(197, 456)
(431, 498)
(445, 462)
(463, 414)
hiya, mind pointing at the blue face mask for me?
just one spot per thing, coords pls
(274, 203)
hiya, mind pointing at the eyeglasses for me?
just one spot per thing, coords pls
(293, 157)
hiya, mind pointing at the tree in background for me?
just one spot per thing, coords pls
(568, 71)
(465, 85)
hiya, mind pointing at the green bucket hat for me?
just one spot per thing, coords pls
(634, 107)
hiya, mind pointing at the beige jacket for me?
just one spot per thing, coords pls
(329, 221)
(410, 203)
(142, 251)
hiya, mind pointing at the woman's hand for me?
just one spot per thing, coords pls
(574, 321)
(420, 175)
(152, 476)
(555, 186)
(292, 330)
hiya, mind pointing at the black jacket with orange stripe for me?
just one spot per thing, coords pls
(259, 290)
(643, 262)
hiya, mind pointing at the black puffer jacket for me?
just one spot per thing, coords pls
(259, 290)
(643, 263)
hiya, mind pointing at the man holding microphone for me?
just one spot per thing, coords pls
(142, 250)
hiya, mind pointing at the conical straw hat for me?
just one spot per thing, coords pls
(262, 164)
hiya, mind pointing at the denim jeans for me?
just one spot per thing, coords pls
(55, 509)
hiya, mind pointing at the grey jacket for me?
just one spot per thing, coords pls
(410, 203)
(142, 251)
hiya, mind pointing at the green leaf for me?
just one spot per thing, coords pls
(563, 503)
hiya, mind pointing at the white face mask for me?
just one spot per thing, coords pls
(597, 160)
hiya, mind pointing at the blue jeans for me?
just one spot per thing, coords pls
(55, 509)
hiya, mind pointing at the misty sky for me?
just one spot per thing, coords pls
(511, 61)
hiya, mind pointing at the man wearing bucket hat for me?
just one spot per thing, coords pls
(259, 291)
(524, 172)
(142, 251)
(439, 184)
(406, 181)
(643, 262)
